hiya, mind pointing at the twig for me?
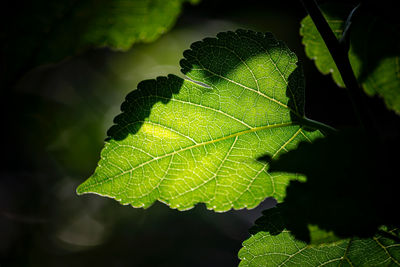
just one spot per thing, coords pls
(340, 57)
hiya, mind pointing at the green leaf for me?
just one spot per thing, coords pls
(183, 142)
(64, 28)
(273, 245)
(374, 51)
(315, 46)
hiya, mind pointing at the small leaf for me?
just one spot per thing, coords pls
(273, 245)
(183, 142)
(374, 51)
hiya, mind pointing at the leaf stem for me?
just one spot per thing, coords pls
(341, 59)
(325, 129)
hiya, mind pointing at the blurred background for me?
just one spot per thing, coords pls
(54, 122)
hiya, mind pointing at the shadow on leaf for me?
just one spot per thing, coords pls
(139, 103)
(351, 186)
(374, 37)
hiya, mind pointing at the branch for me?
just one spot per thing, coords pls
(341, 59)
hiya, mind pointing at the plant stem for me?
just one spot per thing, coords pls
(325, 129)
(341, 59)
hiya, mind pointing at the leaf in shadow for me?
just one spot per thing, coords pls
(351, 186)
(272, 243)
(43, 32)
(374, 53)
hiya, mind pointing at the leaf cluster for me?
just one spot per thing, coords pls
(235, 132)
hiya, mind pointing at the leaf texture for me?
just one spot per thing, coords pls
(374, 51)
(186, 141)
(273, 245)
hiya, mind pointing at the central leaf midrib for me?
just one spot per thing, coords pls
(212, 177)
(207, 143)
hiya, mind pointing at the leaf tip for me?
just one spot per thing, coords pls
(80, 190)
(83, 188)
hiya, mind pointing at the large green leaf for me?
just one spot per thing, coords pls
(273, 245)
(183, 142)
(58, 29)
(374, 51)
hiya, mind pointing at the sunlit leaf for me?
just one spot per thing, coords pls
(273, 245)
(183, 142)
(374, 51)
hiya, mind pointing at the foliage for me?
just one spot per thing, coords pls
(60, 29)
(185, 142)
(273, 245)
(350, 192)
(373, 53)
(235, 132)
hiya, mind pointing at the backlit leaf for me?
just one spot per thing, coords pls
(273, 245)
(184, 142)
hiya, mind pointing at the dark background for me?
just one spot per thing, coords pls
(54, 121)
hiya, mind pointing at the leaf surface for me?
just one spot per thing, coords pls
(374, 51)
(273, 245)
(184, 142)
